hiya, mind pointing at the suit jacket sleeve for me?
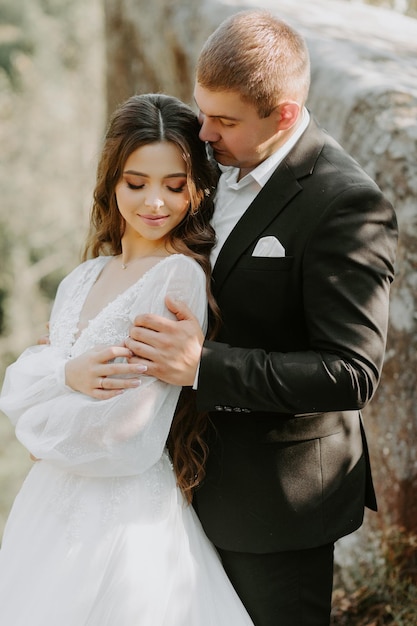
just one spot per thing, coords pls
(331, 357)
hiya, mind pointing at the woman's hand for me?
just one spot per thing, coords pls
(44, 339)
(96, 374)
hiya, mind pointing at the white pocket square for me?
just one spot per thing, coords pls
(269, 246)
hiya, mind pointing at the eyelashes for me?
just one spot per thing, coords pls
(172, 189)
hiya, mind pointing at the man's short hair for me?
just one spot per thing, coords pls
(260, 57)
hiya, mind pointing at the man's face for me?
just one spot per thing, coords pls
(233, 128)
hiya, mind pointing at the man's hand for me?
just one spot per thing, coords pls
(95, 373)
(170, 349)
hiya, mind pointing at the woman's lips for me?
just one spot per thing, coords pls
(154, 220)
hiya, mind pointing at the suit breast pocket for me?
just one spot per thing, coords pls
(260, 301)
(265, 264)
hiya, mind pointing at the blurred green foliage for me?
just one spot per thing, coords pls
(14, 36)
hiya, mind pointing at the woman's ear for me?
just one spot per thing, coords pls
(287, 115)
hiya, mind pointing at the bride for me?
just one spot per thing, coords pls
(102, 532)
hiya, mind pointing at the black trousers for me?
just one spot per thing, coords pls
(285, 588)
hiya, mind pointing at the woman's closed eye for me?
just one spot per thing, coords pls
(172, 189)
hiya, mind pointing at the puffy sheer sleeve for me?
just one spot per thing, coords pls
(123, 435)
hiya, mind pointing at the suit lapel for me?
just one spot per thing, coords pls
(267, 205)
(283, 185)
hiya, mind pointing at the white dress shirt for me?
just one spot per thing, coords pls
(233, 197)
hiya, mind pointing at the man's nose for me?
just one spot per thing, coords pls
(208, 132)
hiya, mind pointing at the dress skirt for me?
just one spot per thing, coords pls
(106, 551)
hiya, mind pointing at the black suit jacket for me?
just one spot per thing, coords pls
(299, 354)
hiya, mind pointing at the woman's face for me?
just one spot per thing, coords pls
(152, 193)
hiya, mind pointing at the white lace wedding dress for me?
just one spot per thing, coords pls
(99, 534)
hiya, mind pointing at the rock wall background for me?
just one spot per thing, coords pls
(58, 79)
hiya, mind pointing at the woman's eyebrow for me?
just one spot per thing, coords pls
(143, 175)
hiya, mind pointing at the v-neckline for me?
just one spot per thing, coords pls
(78, 332)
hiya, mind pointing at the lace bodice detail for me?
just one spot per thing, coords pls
(111, 325)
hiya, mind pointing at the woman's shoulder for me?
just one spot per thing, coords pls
(90, 265)
(84, 270)
(181, 264)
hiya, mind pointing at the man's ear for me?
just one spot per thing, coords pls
(287, 114)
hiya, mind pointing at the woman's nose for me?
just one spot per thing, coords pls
(154, 201)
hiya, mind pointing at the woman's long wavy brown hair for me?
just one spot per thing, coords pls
(141, 120)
